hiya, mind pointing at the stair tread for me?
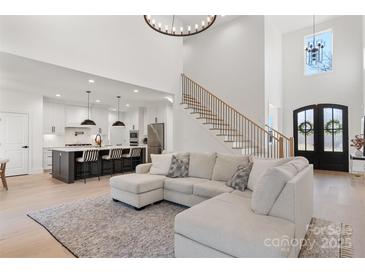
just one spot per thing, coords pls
(215, 124)
(238, 141)
(216, 119)
(229, 135)
(200, 112)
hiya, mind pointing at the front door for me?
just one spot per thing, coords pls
(321, 135)
(14, 142)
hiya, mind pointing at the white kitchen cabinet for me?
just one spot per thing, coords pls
(75, 115)
(53, 118)
(47, 158)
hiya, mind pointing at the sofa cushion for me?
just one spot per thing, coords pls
(226, 165)
(137, 183)
(160, 163)
(260, 166)
(245, 194)
(299, 163)
(201, 164)
(239, 180)
(210, 189)
(269, 187)
(184, 185)
(179, 166)
(227, 223)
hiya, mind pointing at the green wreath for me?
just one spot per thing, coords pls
(305, 128)
(333, 126)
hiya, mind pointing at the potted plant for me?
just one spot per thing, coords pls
(358, 142)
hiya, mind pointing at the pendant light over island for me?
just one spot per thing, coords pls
(88, 122)
(118, 123)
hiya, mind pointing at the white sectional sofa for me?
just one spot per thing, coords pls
(221, 221)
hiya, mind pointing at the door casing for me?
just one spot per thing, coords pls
(17, 150)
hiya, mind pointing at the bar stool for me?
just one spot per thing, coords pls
(2, 172)
(89, 156)
(134, 157)
(114, 154)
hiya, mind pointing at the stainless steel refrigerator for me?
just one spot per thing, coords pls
(155, 139)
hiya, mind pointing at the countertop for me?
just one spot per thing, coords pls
(75, 149)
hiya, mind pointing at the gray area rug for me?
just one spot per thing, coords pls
(100, 227)
(325, 239)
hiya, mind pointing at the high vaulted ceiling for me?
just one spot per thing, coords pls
(23, 74)
(290, 23)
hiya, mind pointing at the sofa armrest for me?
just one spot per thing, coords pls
(143, 168)
(303, 201)
(295, 201)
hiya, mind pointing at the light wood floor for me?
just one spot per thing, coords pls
(338, 197)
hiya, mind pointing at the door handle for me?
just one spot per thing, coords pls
(25, 146)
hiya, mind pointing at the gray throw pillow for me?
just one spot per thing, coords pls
(239, 180)
(179, 166)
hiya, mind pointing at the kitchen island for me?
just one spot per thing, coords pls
(66, 169)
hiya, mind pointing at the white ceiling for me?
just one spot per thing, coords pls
(23, 74)
(289, 23)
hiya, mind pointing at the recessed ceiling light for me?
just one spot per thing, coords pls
(127, 105)
(58, 95)
(91, 81)
(97, 100)
(136, 90)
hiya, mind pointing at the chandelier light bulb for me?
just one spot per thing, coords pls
(167, 27)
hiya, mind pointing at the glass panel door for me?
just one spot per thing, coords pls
(305, 124)
(321, 135)
(332, 129)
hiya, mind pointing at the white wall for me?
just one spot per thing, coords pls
(191, 135)
(273, 74)
(23, 102)
(342, 86)
(228, 60)
(118, 47)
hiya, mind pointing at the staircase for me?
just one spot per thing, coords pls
(235, 128)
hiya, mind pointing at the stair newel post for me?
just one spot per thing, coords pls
(291, 146)
(281, 147)
(261, 147)
(182, 88)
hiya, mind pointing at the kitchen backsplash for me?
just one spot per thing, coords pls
(72, 136)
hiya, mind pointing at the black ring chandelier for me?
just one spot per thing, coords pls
(172, 25)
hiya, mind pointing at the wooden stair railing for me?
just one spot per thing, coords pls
(288, 142)
(236, 128)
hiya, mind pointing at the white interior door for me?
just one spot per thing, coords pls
(14, 142)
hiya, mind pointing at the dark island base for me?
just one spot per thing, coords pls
(66, 169)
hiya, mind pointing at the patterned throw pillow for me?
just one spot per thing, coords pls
(239, 180)
(179, 166)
